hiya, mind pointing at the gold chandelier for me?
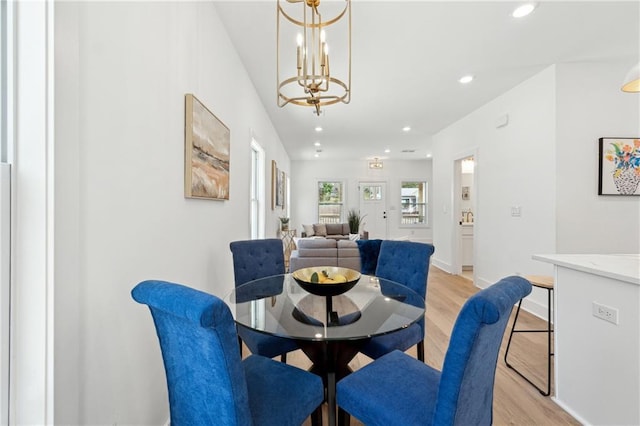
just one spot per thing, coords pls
(313, 83)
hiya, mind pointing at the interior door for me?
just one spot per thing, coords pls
(373, 206)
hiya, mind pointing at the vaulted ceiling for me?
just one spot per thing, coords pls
(407, 57)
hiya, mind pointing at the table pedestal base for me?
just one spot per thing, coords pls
(331, 362)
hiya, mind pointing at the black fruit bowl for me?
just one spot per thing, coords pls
(328, 288)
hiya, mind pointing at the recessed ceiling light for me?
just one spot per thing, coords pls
(428, 155)
(523, 10)
(318, 129)
(406, 129)
(466, 79)
(316, 155)
(387, 150)
(317, 144)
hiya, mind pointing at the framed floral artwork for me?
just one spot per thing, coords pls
(619, 166)
(207, 143)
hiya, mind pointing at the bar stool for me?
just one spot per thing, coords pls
(546, 283)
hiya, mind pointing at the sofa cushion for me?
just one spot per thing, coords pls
(334, 229)
(314, 243)
(345, 229)
(347, 248)
(320, 229)
(308, 230)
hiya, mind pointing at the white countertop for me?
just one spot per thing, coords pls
(623, 267)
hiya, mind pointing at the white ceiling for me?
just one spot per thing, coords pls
(408, 55)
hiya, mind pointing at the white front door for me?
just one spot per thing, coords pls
(373, 206)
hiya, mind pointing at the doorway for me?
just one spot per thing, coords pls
(464, 208)
(373, 207)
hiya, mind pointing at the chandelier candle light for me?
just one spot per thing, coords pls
(313, 84)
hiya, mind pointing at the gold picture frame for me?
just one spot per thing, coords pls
(278, 182)
(206, 154)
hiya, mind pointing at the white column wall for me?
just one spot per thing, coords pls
(514, 167)
(31, 375)
(591, 106)
(122, 70)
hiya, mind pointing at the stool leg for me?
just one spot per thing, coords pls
(513, 327)
(549, 353)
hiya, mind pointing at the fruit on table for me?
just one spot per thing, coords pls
(339, 278)
(323, 278)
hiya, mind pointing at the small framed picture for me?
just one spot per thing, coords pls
(465, 192)
(619, 166)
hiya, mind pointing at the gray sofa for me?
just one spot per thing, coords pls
(335, 231)
(324, 252)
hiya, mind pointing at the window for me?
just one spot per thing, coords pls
(372, 193)
(257, 191)
(330, 202)
(414, 203)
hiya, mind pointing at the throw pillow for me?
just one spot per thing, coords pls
(308, 230)
(334, 228)
(320, 229)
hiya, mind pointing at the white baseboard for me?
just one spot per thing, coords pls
(441, 265)
(571, 412)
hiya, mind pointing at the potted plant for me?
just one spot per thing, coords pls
(355, 222)
(284, 223)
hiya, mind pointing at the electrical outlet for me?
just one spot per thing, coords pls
(606, 313)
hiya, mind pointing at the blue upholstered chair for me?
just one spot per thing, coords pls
(369, 252)
(208, 383)
(407, 263)
(253, 259)
(400, 390)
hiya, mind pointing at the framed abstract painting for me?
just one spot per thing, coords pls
(619, 166)
(277, 186)
(206, 154)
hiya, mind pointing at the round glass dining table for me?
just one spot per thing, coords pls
(330, 330)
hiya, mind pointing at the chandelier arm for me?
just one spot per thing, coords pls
(321, 24)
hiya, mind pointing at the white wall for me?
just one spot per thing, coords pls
(546, 162)
(122, 70)
(514, 167)
(591, 106)
(304, 190)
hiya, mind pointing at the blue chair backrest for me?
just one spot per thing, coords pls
(465, 396)
(205, 377)
(253, 259)
(369, 252)
(405, 262)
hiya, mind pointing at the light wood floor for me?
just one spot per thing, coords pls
(515, 401)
